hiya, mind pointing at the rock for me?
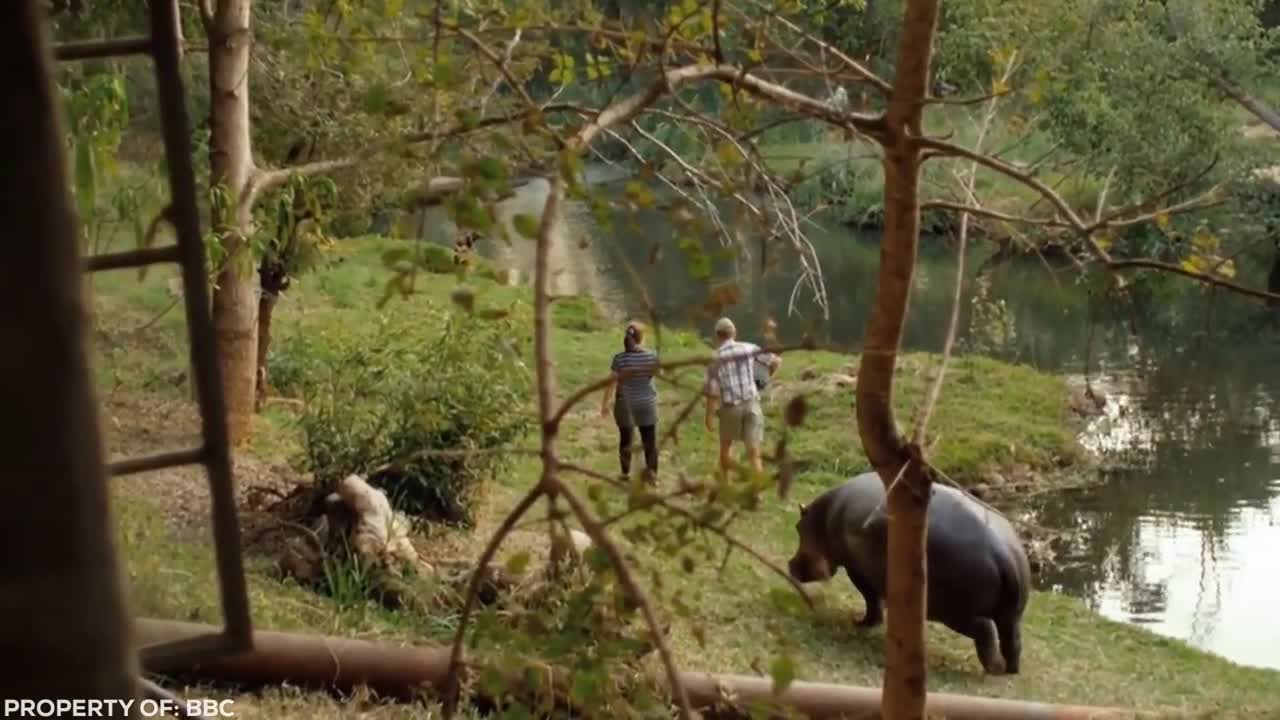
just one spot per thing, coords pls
(980, 491)
(809, 373)
(843, 381)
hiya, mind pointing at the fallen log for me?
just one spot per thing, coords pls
(403, 670)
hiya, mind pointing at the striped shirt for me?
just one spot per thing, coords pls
(732, 378)
(635, 370)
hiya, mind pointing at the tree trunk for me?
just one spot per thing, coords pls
(274, 281)
(1273, 279)
(235, 297)
(66, 632)
(905, 669)
(266, 307)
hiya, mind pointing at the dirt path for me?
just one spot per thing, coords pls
(143, 424)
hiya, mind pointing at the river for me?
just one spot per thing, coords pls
(1181, 534)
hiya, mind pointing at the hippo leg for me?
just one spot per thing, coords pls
(1010, 631)
(983, 633)
(875, 613)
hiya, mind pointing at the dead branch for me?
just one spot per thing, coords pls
(206, 14)
(968, 184)
(722, 533)
(673, 79)
(1201, 277)
(457, 667)
(861, 70)
(602, 540)
(263, 180)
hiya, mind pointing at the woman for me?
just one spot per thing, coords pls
(636, 399)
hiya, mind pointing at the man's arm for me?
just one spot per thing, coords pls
(709, 391)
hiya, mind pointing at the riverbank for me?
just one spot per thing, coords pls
(993, 419)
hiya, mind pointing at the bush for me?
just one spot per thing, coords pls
(380, 400)
(578, 313)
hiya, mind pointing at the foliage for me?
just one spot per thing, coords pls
(422, 417)
(581, 314)
(1119, 83)
(992, 330)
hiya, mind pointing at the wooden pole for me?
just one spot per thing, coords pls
(64, 632)
(402, 670)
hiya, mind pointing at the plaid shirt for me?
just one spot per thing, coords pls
(732, 378)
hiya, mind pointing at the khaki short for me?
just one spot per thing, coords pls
(743, 422)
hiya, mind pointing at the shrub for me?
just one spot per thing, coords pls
(381, 400)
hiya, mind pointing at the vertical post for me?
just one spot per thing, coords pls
(65, 629)
(167, 54)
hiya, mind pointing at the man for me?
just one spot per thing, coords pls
(731, 388)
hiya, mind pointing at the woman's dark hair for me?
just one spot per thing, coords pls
(633, 337)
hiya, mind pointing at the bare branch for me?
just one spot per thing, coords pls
(456, 667)
(715, 31)
(968, 100)
(723, 534)
(946, 149)
(264, 180)
(206, 14)
(968, 184)
(1208, 279)
(966, 210)
(601, 538)
(1254, 105)
(626, 109)
(861, 70)
(506, 58)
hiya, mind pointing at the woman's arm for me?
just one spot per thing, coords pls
(608, 394)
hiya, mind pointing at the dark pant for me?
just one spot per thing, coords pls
(648, 437)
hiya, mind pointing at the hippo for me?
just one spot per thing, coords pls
(979, 578)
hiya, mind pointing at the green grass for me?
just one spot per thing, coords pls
(991, 414)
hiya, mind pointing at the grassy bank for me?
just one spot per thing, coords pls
(992, 416)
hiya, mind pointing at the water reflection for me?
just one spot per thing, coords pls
(1181, 538)
(1182, 535)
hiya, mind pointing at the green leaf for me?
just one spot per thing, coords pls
(526, 225)
(640, 195)
(376, 99)
(518, 563)
(783, 671)
(86, 179)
